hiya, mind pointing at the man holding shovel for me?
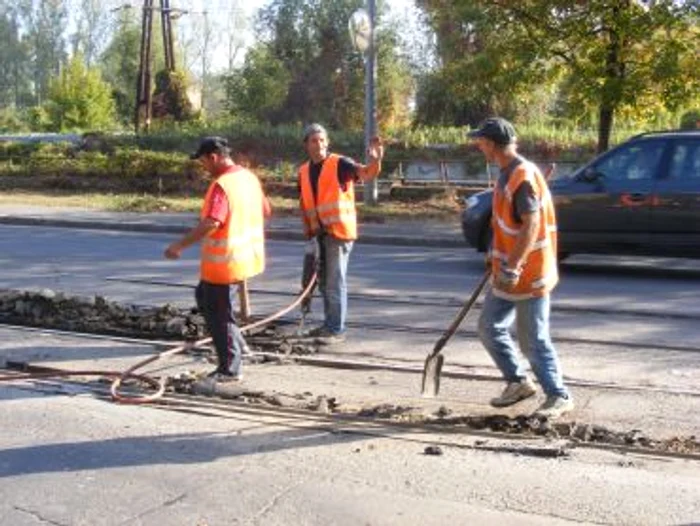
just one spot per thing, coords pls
(523, 260)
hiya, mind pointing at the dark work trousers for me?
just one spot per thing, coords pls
(216, 304)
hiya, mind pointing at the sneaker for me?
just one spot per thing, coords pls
(514, 393)
(222, 378)
(554, 407)
(316, 332)
(326, 337)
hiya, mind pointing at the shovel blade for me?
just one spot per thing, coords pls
(430, 385)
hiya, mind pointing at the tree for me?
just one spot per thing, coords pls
(45, 21)
(120, 65)
(79, 99)
(14, 56)
(91, 32)
(260, 88)
(616, 56)
(305, 61)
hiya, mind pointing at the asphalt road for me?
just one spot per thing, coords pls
(76, 460)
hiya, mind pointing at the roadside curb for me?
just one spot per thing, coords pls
(272, 233)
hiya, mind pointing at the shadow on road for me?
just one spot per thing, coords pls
(193, 448)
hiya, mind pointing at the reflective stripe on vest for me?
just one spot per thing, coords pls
(236, 250)
(332, 210)
(539, 273)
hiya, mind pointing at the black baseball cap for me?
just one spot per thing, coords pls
(212, 145)
(496, 129)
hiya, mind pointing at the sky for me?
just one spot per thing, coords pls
(250, 7)
(189, 27)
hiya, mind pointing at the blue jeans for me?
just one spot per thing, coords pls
(216, 304)
(332, 281)
(532, 315)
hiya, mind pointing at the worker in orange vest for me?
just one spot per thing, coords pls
(327, 200)
(232, 248)
(523, 259)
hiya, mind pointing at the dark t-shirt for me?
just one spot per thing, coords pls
(347, 171)
(524, 201)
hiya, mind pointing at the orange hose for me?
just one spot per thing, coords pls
(158, 385)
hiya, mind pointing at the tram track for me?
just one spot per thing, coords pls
(377, 364)
(431, 301)
(452, 433)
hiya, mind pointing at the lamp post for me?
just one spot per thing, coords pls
(361, 25)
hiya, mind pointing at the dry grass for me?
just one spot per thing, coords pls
(433, 209)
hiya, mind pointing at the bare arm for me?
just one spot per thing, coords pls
(205, 227)
(367, 172)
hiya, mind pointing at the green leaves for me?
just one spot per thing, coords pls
(609, 56)
(79, 99)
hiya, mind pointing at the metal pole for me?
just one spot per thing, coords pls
(148, 74)
(204, 57)
(371, 188)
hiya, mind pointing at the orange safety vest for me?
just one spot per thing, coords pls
(236, 250)
(334, 210)
(539, 273)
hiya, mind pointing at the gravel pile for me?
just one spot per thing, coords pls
(54, 310)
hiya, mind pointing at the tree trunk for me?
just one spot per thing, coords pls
(605, 122)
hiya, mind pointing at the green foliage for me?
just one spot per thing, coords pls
(260, 88)
(304, 69)
(120, 63)
(79, 99)
(11, 120)
(608, 58)
(14, 58)
(170, 97)
(39, 118)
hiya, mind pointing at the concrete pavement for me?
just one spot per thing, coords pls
(410, 233)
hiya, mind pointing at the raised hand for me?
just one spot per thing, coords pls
(376, 149)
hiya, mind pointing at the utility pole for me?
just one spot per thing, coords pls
(143, 83)
(167, 26)
(205, 48)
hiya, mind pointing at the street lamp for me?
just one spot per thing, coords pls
(361, 26)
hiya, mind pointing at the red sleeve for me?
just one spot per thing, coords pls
(218, 205)
(267, 207)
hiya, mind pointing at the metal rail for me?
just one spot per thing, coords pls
(387, 364)
(347, 423)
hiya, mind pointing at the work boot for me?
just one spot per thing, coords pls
(554, 407)
(514, 393)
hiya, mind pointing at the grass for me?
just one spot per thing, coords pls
(442, 209)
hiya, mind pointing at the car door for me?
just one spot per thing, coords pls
(607, 206)
(675, 214)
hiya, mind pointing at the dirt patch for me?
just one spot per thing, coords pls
(96, 315)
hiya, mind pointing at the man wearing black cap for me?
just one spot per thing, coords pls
(524, 272)
(327, 199)
(231, 232)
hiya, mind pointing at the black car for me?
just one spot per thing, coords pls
(642, 197)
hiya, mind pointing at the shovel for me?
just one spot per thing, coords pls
(430, 385)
